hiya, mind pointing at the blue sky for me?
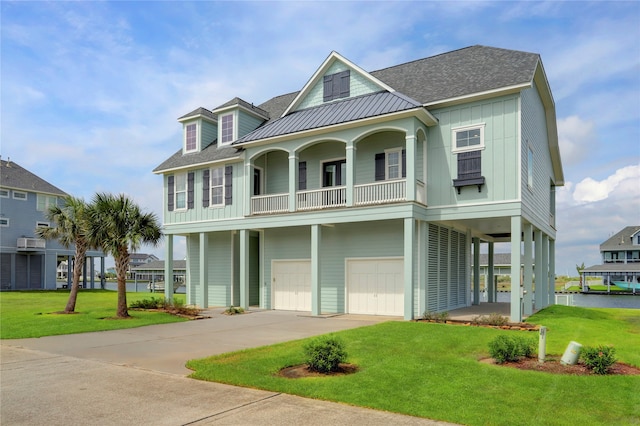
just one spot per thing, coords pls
(90, 91)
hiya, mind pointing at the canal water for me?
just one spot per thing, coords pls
(592, 300)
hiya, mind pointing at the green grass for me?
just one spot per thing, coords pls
(33, 313)
(432, 370)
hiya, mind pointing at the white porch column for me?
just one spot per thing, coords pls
(539, 294)
(423, 231)
(490, 272)
(316, 243)
(168, 267)
(410, 144)
(244, 268)
(351, 172)
(203, 267)
(409, 242)
(293, 181)
(248, 178)
(552, 271)
(528, 268)
(545, 271)
(516, 303)
(476, 271)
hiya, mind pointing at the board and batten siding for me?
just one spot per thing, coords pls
(535, 200)
(200, 213)
(500, 155)
(358, 86)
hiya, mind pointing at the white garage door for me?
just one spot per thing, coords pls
(291, 281)
(375, 286)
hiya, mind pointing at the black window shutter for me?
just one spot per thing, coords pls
(228, 185)
(302, 176)
(469, 165)
(205, 188)
(328, 88)
(344, 83)
(190, 178)
(170, 191)
(380, 159)
(404, 163)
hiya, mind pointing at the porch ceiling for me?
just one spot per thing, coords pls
(496, 229)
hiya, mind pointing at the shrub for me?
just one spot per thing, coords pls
(234, 310)
(435, 316)
(152, 303)
(491, 319)
(599, 358)
(325, 354)
(511, 348)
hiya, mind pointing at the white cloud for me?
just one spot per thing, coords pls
(627, 179)
(577, 138)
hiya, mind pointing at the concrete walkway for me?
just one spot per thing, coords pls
(137, 376)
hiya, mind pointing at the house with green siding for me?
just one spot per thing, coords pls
(371, 192)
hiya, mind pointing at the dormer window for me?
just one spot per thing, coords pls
(226, 128)
(336, 86)
(191, 138)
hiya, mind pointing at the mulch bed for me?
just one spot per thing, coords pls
(552, 365)
(303, 370)
(521, 326)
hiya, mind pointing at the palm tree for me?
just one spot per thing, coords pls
(70, 226)
(120, 227)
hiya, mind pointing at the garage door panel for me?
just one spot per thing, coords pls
(292, 285)
(375, 286)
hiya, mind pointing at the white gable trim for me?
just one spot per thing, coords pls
(333, 57)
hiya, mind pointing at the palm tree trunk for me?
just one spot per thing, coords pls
(122, 261)
(81, 250)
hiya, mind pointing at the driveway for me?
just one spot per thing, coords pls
(137, 376)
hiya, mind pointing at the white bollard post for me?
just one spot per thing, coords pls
(542, 344)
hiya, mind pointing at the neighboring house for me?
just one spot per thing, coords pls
(154, 272)
(364, 191)
(27, 262)
(139, 259)
(620, 261)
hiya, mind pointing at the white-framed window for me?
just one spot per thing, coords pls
(227, 129)
(216, 187)
(530, 167)
(191, 137)
(180, 193)
(19, 195)
(4, 193)
(42, 224)
(468, 138)
(393, 164)
(44, 201)
(4, 221)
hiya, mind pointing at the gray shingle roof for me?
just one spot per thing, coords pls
(462, 72)
(208, 155)
(613, 268)
(158, 265)
(14, 176)
(239, 102)
(199, 111)
(621, 240)
(499, 259)
(350, 109)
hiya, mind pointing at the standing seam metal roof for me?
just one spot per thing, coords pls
(351, 109)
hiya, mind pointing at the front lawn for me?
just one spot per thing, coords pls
(32, 313)
(432, 370)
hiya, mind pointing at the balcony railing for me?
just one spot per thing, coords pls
(326, 198)
(380, 192)
(31, 244)
(272, 203)
(322, 198)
